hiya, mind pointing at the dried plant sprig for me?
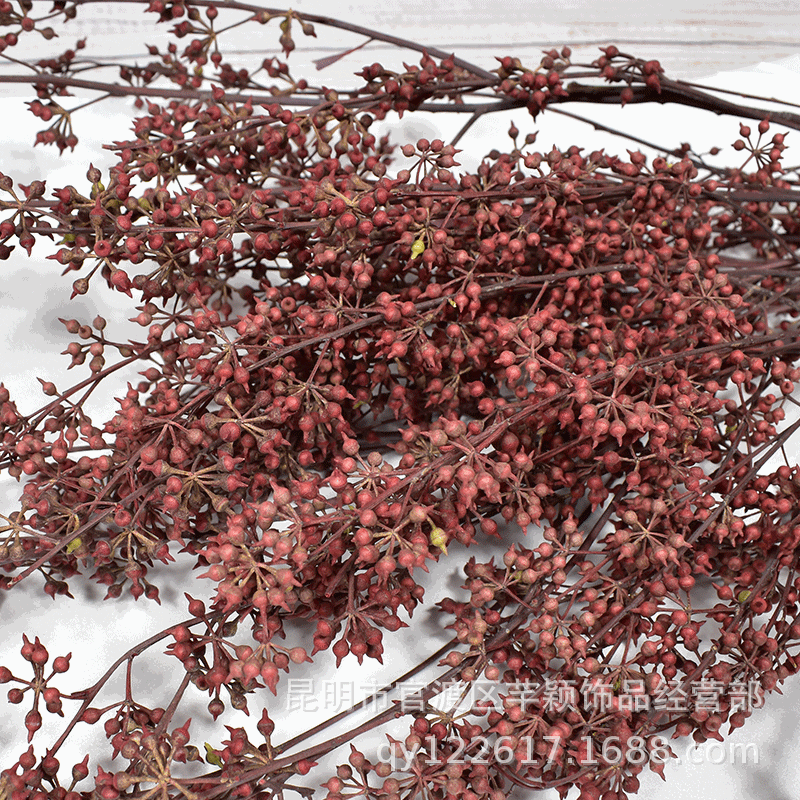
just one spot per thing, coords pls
(347, 371)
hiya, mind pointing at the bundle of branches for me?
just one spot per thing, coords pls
(348, 370)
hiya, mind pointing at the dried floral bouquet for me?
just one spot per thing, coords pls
(347, 371)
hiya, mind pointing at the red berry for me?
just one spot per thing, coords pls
(15, 695)
(33, 721)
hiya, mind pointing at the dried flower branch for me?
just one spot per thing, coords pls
(346, 371)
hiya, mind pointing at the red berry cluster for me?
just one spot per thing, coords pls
(36, 654)
(344, 373)
(536, 87)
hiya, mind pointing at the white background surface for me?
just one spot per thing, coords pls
(714, 36)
